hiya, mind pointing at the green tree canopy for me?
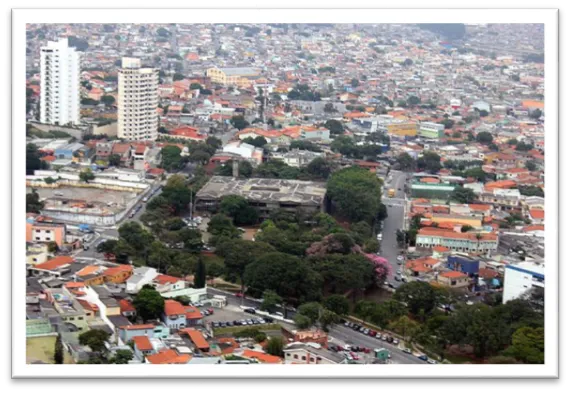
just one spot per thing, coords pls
(149, 303)
(94, 339)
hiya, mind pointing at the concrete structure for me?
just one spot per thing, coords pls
(241, 77)
(266, 195)
(138, 101)
(309, 353)
(431, 130)
(60, 83)
(38, 231)
(453, 279)
(141, 276)
(522, 277)
(463, 264)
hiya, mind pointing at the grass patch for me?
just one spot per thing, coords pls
(42, 349)
(234, 329)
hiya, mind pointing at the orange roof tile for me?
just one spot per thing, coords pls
(137, 327)
(118, 269)
(142, 343)
(165, 279)
(261, 356)
(70, 285)
(172, 307)
(197, 338)
(168, 356)
(452, 274)
(441, 249)
(536, 213)
(193, 313)
(55, 263)
(430, 231)
(530, 228)
(126, 306)
(87, 270)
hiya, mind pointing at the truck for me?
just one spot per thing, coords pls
(391, 193)
(86, 228)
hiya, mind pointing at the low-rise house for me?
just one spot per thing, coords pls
(141, 276)
(453, 279)
(142, 347)
(536, 216)
(174, 315)
(128, 332)
(127, 308)
(302, 353)
(38, 230)
(464, 242)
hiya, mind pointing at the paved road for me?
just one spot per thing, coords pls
(351, 337)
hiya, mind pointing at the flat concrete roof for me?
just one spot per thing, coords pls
(265, 190)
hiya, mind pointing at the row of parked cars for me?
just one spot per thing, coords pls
(241, 322)
(371, 333)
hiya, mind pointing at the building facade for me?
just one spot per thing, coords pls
(138, 101)
(431, 130)
(521, 278)
(60, 83)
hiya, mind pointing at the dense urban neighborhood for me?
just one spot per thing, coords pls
(285, 194)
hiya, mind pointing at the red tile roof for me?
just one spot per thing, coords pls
(168, 356)
(193, 313)
(126, 306)
(430, 231)
(165, 279)
(453, 274)
(261, 356)
(172, 307)
(55, 263)
(536, 213)
(197, 338)
(138, 327)
(143, 343)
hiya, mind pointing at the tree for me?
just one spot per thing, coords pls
(430, 161)
(535, 114)
(527, 345)
(270, 301)
(108, 100)
(241, 253)
(221, 226)
(334, 126)
(33, 161)
(354, 82)
(355, 192)
(115, 160)
(285, 274)
(239, 122)
(258, 141)
(413, 101)
(177, 77)
(531, 166)
(484, 138)
(33, 203)
(311, 310)
(200, 274)
(149, 303)
(95, 339)
(58, 350)
(420, 297)
(275, 346)
(171, 158)
(86, 175)
(521, 146)
(463, 195)
(214, 142)
(406, 327)
(406, 162)
(122, 356)
(302, 321)
(466, 228)
(214, 269)
(177, 193)
(337, 304)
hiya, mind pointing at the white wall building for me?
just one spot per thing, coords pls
(138, 101)
(141, 276)
(522, 277)
(60, 82)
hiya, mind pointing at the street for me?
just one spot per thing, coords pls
(394, 221)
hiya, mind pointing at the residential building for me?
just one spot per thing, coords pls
(41, 231)
(140, 277)
(463, 264)
(310, 353)
(521, 278)
(431, 130)
(241, 77)
(453, 279)
(174, 315)
(60, 83)
(464, 242)
(138, 101)
(266, 195)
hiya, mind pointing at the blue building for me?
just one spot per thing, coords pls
(463, 264)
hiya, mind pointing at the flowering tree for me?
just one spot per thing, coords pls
(382, 267)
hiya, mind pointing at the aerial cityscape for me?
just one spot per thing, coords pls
(285, 194)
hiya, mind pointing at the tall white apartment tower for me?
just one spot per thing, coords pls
(138, 101)
(60, 81)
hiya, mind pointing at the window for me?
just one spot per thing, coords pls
(287, 354)
(80, 318)
(296, 356)
(304, 358)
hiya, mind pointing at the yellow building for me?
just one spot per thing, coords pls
(475, 222)
(241, 77)
(403, 129)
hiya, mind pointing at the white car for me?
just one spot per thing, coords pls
(400, 258)
(399, 272)
(396, 341)
(431, 361)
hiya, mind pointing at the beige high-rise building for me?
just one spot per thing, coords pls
(138, 101)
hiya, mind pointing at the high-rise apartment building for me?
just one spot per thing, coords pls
(138, 101)
(60, 82)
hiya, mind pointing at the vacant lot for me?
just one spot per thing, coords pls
(42, 349)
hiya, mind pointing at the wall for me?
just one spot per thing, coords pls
(75, 132)
(109, 129)
(195, 294)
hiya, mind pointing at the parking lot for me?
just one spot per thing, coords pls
(232, 314)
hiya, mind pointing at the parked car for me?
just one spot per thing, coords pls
(199, 304)
(354, 356)
(361, 329)
(372, 333)
(347, 324)
(249, 322)
(384, 337)
(397, 278)
(378, 336)
(250, 310)
(396, 341)
(366, 331)
(389, 339)
(366, 350)
(215, 324)
(211, 311)
(239, 294)
(423, 357)
(244, 322)
(431, 361)
(279, 314)
(404, 279)
(407, 350)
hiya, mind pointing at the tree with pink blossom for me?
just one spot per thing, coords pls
(382, 267)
